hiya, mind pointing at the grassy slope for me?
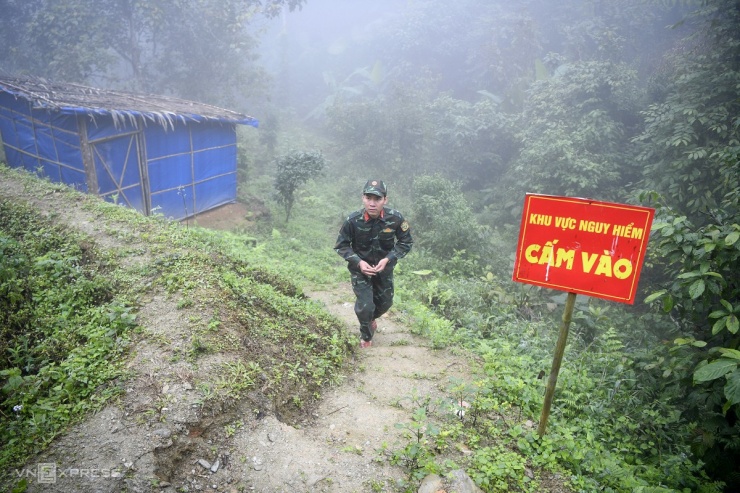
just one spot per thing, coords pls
(254, 294)
(250, 312)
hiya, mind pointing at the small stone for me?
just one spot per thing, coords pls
(215, 466)
(430, 484)
(464, 449)
(204, 464)
(162, 432)
(165, 444)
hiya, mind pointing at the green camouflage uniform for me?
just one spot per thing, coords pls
(364, 238)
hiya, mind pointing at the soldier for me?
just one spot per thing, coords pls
(372, 240)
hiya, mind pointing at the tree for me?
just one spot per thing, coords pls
(201, 50)
(385, 133)
(436, 37)
(443, 219)
(690, 150)
(479, 139)
(60, 40)
(293, 170)
(575, 132)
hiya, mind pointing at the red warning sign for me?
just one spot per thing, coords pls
(582, 246)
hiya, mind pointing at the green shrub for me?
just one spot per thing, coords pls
(293, 170)
(444, 223)
(60, 328)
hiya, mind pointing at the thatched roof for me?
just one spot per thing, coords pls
(121, 105)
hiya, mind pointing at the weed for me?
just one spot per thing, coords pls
(214, 324)
(184, 303)
(354, 449)
(231, 428)
(376, 485)
(236, 379)
(417, 456)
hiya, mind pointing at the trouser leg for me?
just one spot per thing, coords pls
(382, 292)
(374, 298)
(364, 304)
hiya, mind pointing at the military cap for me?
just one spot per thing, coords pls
(375, 187)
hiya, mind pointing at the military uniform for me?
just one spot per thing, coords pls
(372, 239)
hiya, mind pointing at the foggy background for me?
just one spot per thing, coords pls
(502, 97)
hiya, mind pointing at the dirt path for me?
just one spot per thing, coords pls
(339, 448)
(343, 447)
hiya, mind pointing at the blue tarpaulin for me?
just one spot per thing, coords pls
(169, 162)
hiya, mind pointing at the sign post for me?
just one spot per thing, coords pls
(580, 246)
(559, 350)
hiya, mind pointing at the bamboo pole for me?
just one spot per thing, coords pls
(88, 161)
(556, 360)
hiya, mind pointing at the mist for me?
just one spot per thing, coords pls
(466, 50)
(425, 87)
(401, 88)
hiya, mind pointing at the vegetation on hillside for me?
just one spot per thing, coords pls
(63, 330)
(70, 308)
(466, 107)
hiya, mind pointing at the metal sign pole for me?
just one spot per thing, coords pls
(559, 350)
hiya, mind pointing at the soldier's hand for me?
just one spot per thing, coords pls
(366, 268)
(381, 265)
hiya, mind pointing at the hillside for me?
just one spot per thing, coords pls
(205, 421)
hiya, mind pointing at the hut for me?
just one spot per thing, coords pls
(156, 154)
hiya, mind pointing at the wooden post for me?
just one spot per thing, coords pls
(559, 350)
(91, 175)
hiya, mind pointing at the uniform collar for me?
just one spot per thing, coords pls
(367, 217)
